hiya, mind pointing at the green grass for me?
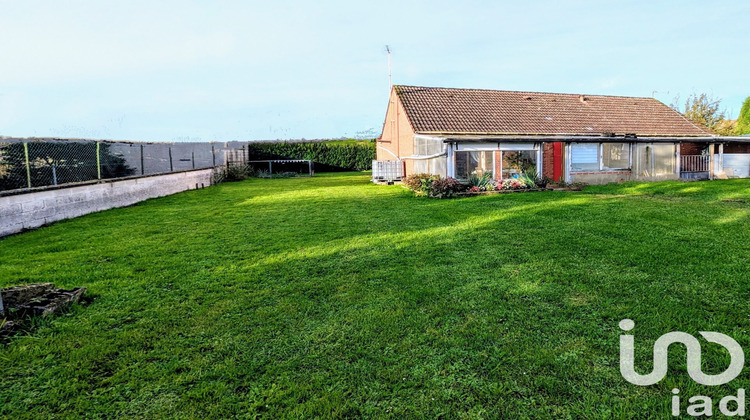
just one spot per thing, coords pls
(332, 297)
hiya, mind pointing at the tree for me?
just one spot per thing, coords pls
(743, 122)
(704, 110)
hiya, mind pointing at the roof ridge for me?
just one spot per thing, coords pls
(529, 92)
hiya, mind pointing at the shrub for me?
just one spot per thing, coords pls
(558, 184)
(425, 186)
(445, 187)
(529, 180)
(414, 181)
(483, 182)
(329, 155)
(232, 173)
(544, 181)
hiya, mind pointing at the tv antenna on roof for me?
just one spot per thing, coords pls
(390, 82)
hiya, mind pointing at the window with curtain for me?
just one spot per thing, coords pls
(615, 156)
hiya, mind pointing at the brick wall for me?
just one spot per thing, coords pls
(35, 209)
(397, 135)
(498, 165)
(735, 148)
(692, 148)
(547, 160)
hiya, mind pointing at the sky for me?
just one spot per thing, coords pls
(249, 70)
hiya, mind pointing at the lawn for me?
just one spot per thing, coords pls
(332, 297)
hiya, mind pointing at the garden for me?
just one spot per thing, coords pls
(434, 186)
(332, 297)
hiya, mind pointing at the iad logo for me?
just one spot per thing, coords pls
(700, 405)
(693, 357)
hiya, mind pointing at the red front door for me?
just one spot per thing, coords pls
(557, 161)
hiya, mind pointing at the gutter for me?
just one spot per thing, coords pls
(425, 156)
(594, 139)
(392, 154)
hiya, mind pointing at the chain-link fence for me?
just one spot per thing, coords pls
(27, 163)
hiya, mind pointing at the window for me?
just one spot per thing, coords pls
(595, 157)
(615, 156)
(664, 159)
(426, 146)
(584, 157)
(518, 162)
(477, 163)
(655, 159)
(434, 166)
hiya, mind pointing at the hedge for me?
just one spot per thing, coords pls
(352, 156)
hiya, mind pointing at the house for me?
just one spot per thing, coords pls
(575, 138)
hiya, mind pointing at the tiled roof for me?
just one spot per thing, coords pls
(477, 111)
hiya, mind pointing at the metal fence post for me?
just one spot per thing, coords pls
(28, 168)
(142, 165)
(98, 161)
(171, 167)
(213, 155)
(192, 156)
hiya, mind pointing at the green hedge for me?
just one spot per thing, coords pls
(332, 156)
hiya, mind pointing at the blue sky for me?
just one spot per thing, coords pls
(245, 70)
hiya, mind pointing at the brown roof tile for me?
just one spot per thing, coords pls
(477, 111)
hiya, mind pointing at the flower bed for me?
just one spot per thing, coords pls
(436, 187)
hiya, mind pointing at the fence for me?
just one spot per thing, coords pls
(30, 163)
(694, 163)
(269, 167)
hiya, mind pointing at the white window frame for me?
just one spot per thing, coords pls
(600, 158)
(538, 165)
(455, 155)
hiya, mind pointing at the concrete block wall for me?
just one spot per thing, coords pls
(34, 209)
